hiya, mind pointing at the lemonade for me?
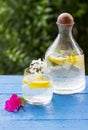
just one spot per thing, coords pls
(36, 86)
(36, 91)
(67, 73)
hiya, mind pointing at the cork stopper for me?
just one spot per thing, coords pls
(65, 18)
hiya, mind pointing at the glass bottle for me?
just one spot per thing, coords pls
(66, 61)
(37, 89)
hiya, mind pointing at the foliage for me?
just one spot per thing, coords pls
(28, 27)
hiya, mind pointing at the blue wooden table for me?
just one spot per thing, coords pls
(65, 112)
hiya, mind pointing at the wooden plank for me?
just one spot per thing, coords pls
(61, 107)
(10, 88)
(11, 79)
(44, 125)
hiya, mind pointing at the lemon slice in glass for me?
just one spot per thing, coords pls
(72, 59)
(36, 81)
(40, 84)
(76, 60)
(57, 60)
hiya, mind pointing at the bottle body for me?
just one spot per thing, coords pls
(37, 89)
(66, 62)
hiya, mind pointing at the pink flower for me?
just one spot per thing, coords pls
(13, 103)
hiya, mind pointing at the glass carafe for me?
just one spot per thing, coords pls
(66, 62)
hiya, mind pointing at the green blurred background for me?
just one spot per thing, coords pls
(28, 28)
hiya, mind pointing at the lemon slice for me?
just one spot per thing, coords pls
(40, 84)
(76, 60)
(57, 60)
(72, 59)
(37, 84)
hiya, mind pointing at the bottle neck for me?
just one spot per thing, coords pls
(65, 30)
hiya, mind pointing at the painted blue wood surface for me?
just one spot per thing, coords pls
(65, 112)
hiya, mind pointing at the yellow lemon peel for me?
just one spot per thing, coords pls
(40, 84)
(37, 84)
(57, 60)
(72, 59)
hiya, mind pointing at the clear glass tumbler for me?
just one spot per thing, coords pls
(37, 89)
